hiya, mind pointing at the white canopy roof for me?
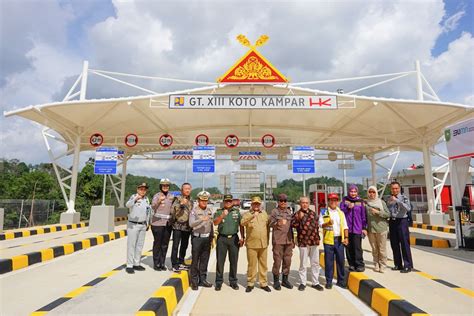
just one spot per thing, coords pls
(360, 124)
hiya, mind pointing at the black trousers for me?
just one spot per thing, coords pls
(400, 238)
(201, 250)
(334, 253)
(179, 237)
(161, 235)
(227, 245)
(354, 251)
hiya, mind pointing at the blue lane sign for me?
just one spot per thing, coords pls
(204, 159)
(106, 160)
(303, 159)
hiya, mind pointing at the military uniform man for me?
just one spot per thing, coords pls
(138, 220)
(282, 241)
(228, 221)
(180, 210)
(160, 224)
(257, 228)
(200, 220)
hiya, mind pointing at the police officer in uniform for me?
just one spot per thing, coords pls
(200, 220)
(138, 220)
(398, 206)
(160, 224)
(228, 221)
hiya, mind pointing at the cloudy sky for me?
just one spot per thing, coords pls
(43, 44)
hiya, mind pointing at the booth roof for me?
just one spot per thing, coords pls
(361, 124)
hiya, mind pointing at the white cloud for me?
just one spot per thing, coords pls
(451, 73)
(452, 22)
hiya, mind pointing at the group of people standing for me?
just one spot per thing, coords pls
(344, 224)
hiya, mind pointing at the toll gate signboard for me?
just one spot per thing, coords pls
(303, 159)
(204, 159)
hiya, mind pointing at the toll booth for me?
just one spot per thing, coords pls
(318, 194)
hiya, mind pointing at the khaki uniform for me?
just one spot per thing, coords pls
(257, 235)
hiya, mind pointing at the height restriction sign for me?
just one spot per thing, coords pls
(232, 141)
(131, 140)
(201, 140)
(166, 140)
(268, 141)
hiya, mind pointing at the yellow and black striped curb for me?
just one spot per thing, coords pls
(165, 299)
(23, 261)
(435, 243)
(49, 307)
(375, 295)
(446, 283)
(41, 230)
(49, 229)
(443, 229)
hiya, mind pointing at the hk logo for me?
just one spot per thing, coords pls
(447, 135)
(179, 101)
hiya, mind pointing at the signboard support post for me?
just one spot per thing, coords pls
(103, 190)
(344, 175)
(202, 180)
(304, 185)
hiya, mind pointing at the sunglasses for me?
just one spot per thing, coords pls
(283, 201)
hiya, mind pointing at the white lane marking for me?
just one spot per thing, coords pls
(192, 296)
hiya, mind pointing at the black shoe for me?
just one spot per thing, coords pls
(405, 270)
(164, 268)
(194, 287)
(234, 286)
(266, 288)
(301, 287)
(341, 285)
(218, 287)
(130, 270)
(328, 286)
(276, 282)
(352, 268)
(205, 284)
(157, 268)
(138, 268)
(360, 269)
(317, 287)
(286, 283)
(249, 289)
(396, 268)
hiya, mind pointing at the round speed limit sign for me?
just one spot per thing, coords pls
(202, 140)
(232, 141)
(96, 140)
(131, 140)
(166, 140)
(268, 141)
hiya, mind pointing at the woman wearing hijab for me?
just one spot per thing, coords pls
(354, 209)
(377, 215)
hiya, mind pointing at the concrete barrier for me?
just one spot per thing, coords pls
(102, 219)
(70, 218)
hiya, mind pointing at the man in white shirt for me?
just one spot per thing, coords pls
(335, 237)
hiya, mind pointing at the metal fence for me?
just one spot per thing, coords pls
(27, 213)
